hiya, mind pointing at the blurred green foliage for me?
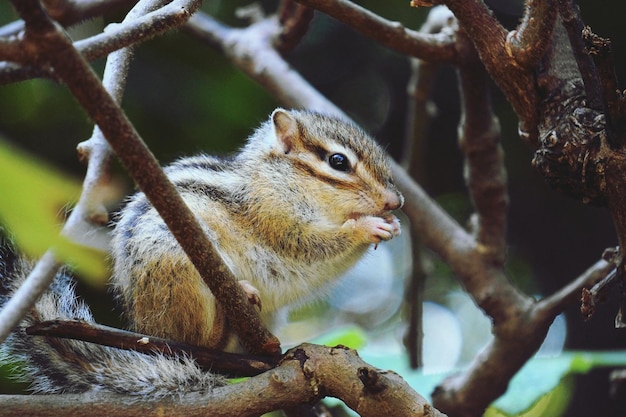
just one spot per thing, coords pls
(39, 195)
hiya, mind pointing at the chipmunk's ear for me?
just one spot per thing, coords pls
(286, 130)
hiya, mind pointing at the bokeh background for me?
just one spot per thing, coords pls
(184, 98)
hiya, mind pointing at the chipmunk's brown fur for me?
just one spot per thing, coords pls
(288, 214)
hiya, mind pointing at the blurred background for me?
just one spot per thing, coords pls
(185, 98)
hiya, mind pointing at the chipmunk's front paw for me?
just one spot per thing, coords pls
(254, 296)
(375, 229)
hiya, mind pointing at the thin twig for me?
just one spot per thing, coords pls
(23, 299)
(251, 50)
(571, 293)
(432, 47)
(596, 294)
(115, 36)
(53, 47)
(414, 160)
(96, 150)
(69, 12)
(419, 87)
(229, 364)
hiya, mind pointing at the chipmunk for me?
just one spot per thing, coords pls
(294, 209)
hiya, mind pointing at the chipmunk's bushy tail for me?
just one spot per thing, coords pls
(54, 365)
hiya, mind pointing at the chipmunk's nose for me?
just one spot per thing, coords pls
(393, 200)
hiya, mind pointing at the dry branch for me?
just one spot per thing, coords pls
(520, 323)
(116, 36)
(573, 24)
(294, 19)
(307, 374)
(489, 38)
(229, 364)
(49, 46)
(432, 47)
(530, 41)
(419, 112)
(69, 12)
(479, 140)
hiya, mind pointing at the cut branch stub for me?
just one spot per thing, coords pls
(571, 138)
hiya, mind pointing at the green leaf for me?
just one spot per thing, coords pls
(36, 196)
(543, 386)
(547, 377)
(350, 336)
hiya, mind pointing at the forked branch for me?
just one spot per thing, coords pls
(49, 46)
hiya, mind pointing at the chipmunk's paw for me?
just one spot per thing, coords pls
(375, 229)
(254, 296)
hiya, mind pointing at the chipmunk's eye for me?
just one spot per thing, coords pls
(339, 162)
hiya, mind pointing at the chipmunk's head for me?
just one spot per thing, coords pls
(343, 166)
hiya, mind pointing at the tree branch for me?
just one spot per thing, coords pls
(529, 42)
(69, 12)
(229, 364)
(479, 139)
(96, 150)
(570, 15)
(575, 291)
(601, 52)
(115, 36)
(519, 325)
(88, 212)
(48, 45)
(432, 47)
(489, 38)
(294, 19)
(419, 114)
(251, 50)
(307, 374)
(24, 297)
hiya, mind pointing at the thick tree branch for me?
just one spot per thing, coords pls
(50, 46)
(529, 42)
(479, 138)
(307, 374)
(471, 391)
(570, 16)
(96, 151)
(516, 82)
